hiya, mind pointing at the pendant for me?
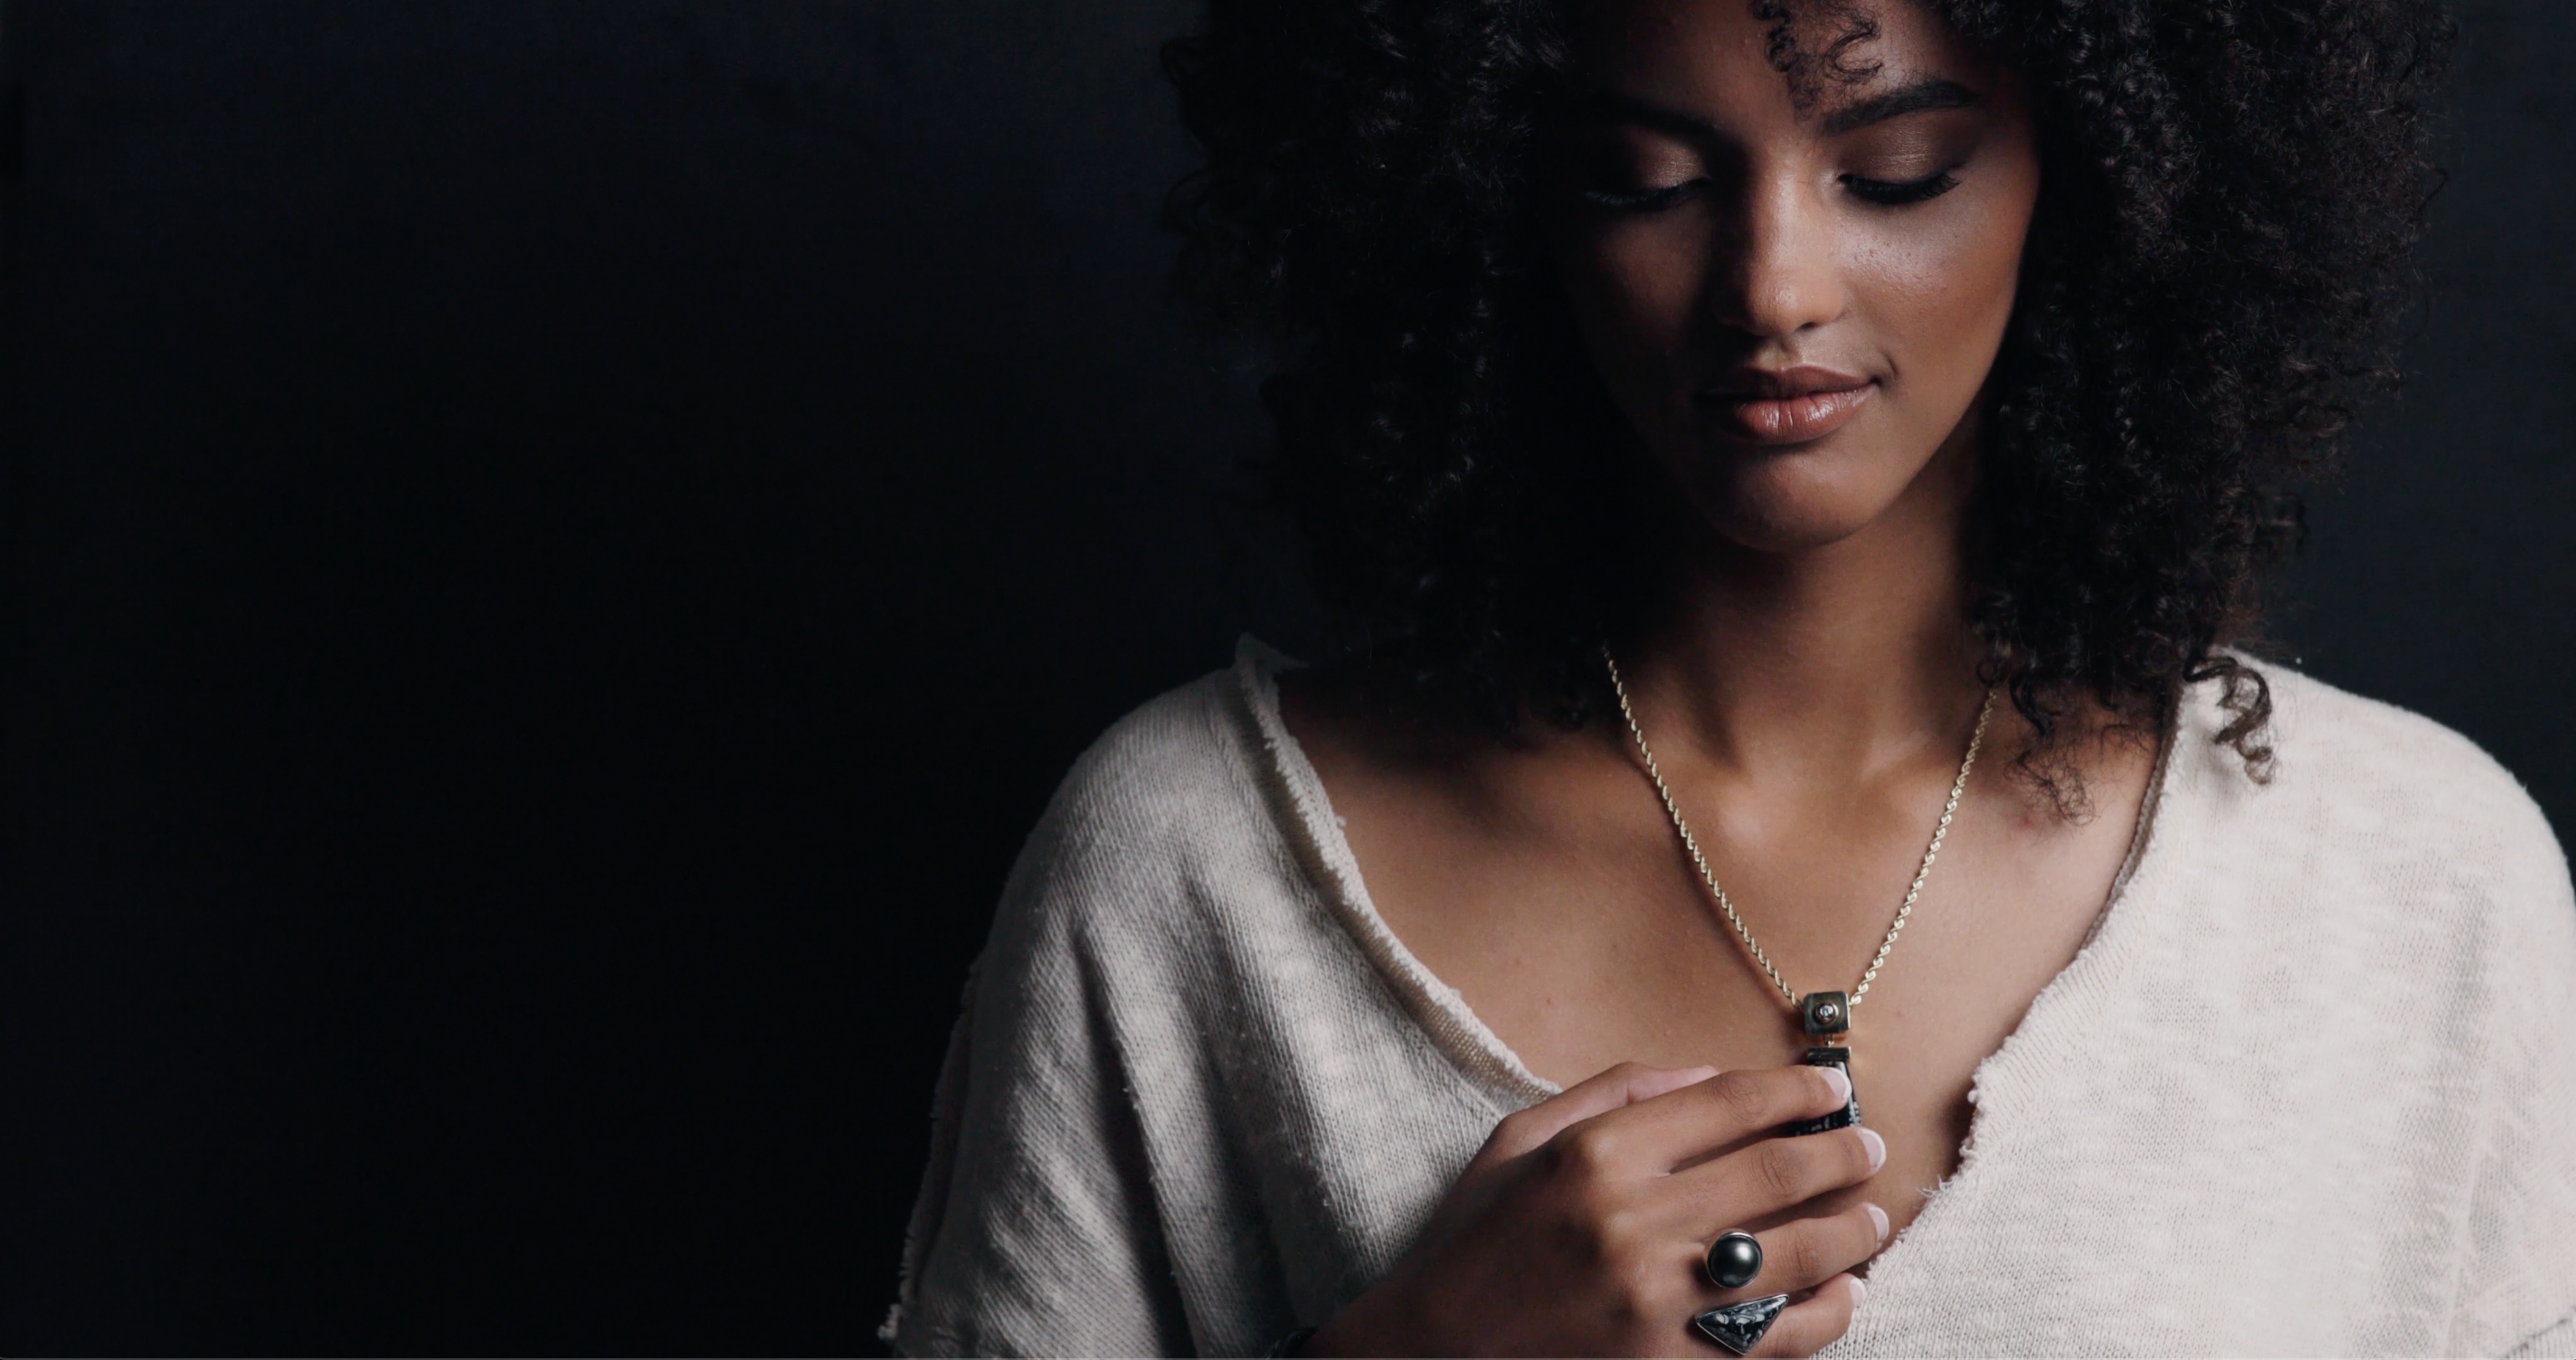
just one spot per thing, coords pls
(1827, 1016)
(1843, 1118)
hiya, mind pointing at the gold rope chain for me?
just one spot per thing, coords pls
(1708, 876)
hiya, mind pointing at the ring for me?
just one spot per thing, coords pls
(1739, 1326)
(1733, 1260)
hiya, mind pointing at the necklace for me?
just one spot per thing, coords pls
(1826, 1016)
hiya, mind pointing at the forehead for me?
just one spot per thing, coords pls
(1739, 62)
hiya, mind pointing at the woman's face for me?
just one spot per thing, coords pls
(1793, 287)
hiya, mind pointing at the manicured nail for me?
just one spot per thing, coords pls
(1878, 1219)
(1877, 1147)
(1842, 1084)
(1860, 1291)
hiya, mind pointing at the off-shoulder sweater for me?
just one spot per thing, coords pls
(2309, 1088)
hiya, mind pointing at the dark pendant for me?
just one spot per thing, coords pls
(1849, 1114)
(1739, 1326)
(1733, 1260)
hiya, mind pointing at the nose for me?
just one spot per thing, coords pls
(1779, 275)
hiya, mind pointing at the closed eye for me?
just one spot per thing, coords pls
(1642, 200)
(1897, 193)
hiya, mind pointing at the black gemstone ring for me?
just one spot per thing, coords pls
(1733, 1260)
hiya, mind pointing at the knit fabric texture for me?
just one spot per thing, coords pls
(2308, 1089)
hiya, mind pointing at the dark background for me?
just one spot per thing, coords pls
(554, 549)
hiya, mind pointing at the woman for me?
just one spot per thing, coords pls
(1800, 476)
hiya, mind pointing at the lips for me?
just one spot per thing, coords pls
(1786, 406)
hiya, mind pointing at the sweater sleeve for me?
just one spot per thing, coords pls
(2519, 1282)
(1035, 1232)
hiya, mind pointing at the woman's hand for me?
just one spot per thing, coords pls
(1580, 1227)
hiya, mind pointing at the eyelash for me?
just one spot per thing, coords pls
(1901, 192)
(1887, 193)
(1642, 200)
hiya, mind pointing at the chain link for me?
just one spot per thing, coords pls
(1708, 876)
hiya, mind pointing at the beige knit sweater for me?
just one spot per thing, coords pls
(2309, 1089)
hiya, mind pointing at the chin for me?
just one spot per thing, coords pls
(1788, 503)
(1785, 534)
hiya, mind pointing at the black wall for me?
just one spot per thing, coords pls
(553, 549)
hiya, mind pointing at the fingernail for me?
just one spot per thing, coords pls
(1860, 1291)
(1878, 1219)
(1877, 1147)
(1842, 1084)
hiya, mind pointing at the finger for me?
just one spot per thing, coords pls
(1766, 1177)
(1609, 1090)
(1694, 1121)
(1804, 1253)
(1808, 1326)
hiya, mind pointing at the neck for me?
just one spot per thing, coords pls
(1825, 664)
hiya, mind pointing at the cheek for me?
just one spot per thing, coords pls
(1942, 295)
(1633, 288)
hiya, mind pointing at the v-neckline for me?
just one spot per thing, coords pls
(1480, 1055)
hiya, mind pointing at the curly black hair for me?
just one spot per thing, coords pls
(2230, 192)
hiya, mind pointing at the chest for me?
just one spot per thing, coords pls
(1586, 937)
(2135, 1188)
(2138, 1184)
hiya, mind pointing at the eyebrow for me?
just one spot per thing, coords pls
(1610, 106)
(1915, 98)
